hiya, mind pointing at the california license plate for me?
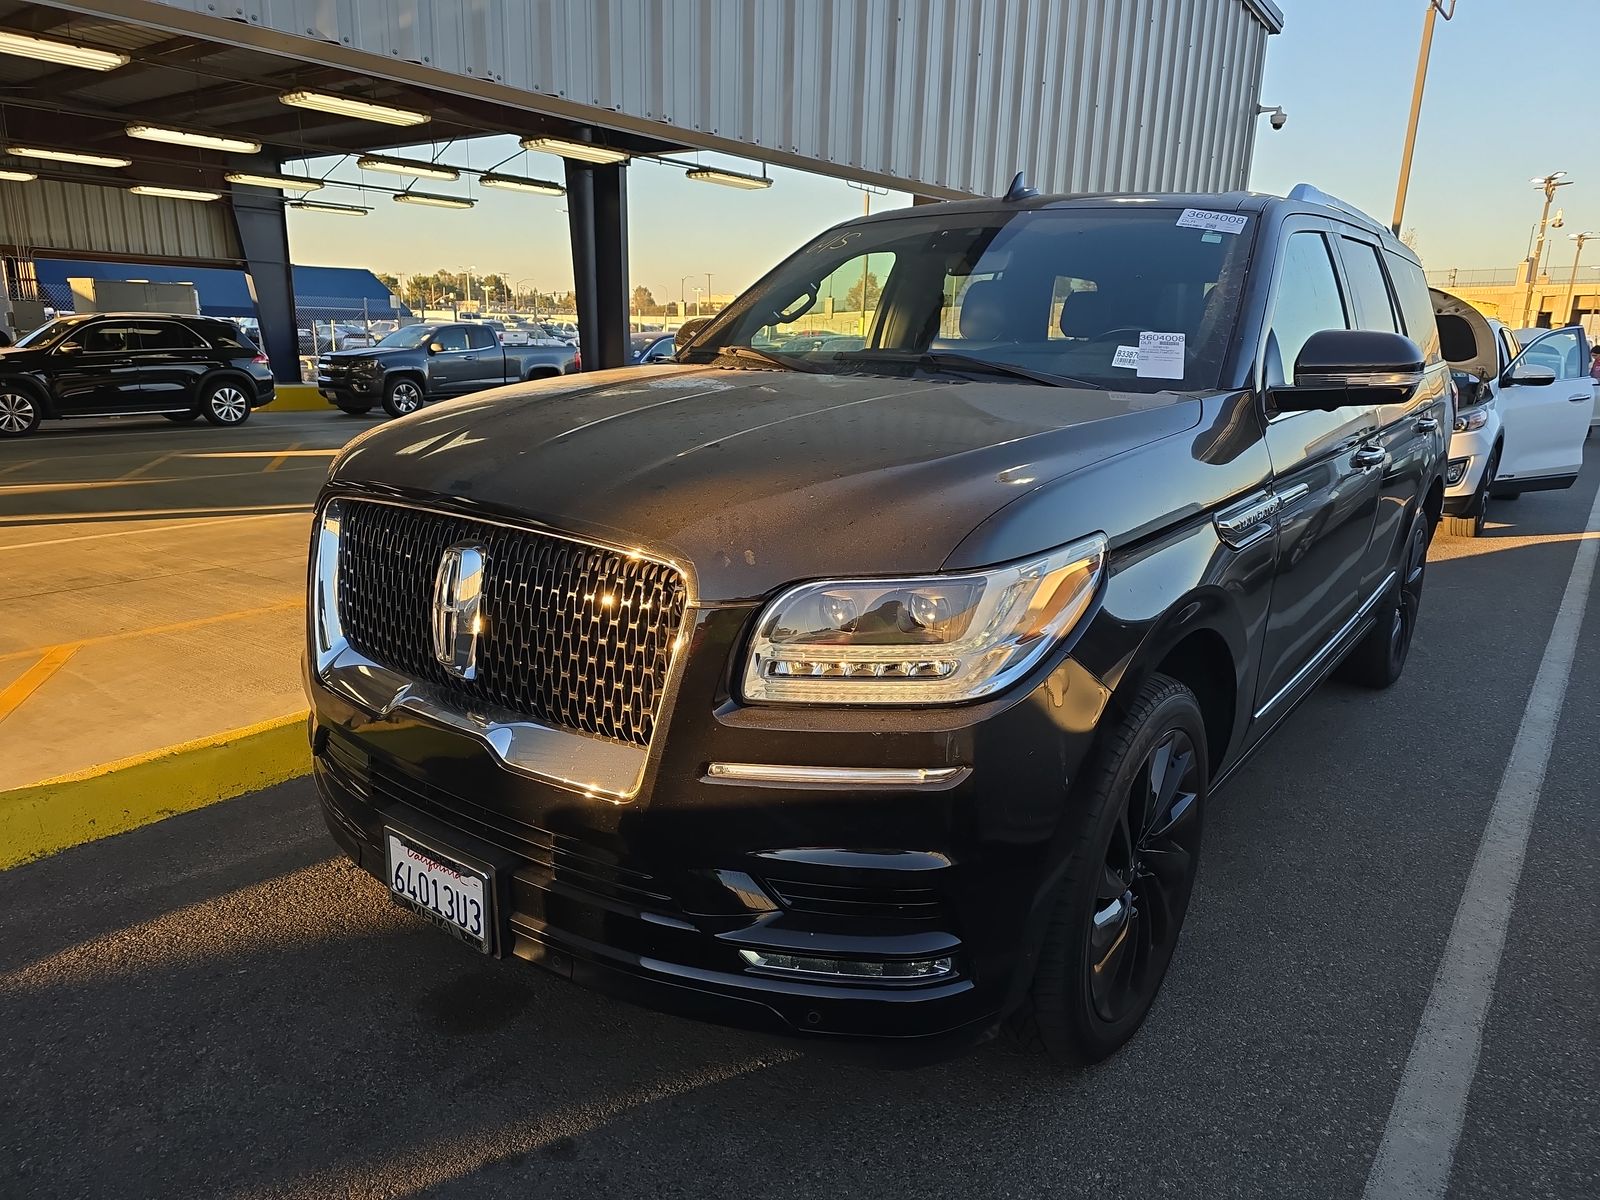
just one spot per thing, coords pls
(451, 894)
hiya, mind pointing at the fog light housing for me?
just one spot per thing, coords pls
(1454, 472)
(850, 968)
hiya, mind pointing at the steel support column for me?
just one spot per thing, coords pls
(264, 242)
(597, 219)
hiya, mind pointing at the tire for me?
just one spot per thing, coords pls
(402, 396)
(1378, 659)
(1120, 905)
(181, 418)
(352, 410)
(225, 403)
(1470, 523)
(19, 411)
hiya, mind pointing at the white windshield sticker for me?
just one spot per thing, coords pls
(1160, 355)
(1126, 356)
(1218, 222)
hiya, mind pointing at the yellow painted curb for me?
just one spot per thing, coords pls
(298, 397)
(112, 798)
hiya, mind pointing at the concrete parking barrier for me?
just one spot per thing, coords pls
(56, 814)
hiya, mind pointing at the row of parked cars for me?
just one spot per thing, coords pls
(878, 693)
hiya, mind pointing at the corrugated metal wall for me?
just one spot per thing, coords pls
(49, 214)
(944, 96)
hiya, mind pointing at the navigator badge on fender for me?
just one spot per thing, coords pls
(457, 608)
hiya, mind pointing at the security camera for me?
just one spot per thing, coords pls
(1275, 114)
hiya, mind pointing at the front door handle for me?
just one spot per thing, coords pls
(1369, 456)
(1580, 399)
(1427, 424)
(469, 358)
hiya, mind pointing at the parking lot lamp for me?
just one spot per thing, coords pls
(1436, 8)
(1572, 283)
(1547, 184)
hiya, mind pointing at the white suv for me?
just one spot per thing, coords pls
(1522, 414)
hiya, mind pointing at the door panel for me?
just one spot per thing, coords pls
(450, 372)
(169, 362)
(93, 371)
(489, 368)
(1545, 424)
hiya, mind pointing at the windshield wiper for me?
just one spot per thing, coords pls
(954, 360)
(751, 354)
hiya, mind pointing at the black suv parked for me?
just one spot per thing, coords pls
(122, 364)
(880, 692)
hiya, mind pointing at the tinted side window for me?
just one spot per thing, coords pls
(1415, 305)
(452, 337)
(108, 339)
(164, 335)
(1369, 288)
(1307, 302)
(480, 337)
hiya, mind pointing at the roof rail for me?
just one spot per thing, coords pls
(1304, 191)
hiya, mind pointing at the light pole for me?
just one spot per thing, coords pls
(1548, 185)
(683, 302)
(697, 301)
(1572, 283)
(1436, 8)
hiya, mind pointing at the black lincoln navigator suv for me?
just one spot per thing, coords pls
(872, 683)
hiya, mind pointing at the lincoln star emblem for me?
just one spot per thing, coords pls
(457, 608)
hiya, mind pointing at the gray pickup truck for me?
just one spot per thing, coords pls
(419, 363)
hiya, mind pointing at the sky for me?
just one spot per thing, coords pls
(1511, 95)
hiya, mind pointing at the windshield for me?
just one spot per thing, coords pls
(48, 333)
(1123, 298)
(409, 338)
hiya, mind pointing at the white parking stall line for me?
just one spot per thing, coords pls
(1419, 1142)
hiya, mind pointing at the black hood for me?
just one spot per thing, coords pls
(759, 478)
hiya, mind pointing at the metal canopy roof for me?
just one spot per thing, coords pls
(212, 87)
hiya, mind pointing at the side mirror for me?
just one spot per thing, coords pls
(435, 348)
(661, 356)
(1529, 375)
(1342, 367)
(686, 332)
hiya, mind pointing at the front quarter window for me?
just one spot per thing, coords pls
(1061, 295)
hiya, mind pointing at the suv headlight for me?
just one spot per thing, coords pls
(939, 639)
(1472, 419)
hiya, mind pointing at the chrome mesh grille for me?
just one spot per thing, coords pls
(575, 636)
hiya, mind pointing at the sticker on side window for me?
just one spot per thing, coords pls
(1216, 222)
(1160, 355)
(1126, 356)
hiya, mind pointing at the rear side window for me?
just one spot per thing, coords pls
(1415, 305)
(451, 337)
(1368, 287)
(1308, 301)
(480, 337)
(164, 335)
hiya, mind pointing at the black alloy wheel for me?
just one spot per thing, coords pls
(1378, 659)
(1122, 901)
(1145, 880)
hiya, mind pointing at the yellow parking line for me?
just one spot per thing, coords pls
(282, 458)
(291, 452)
(145, 530)
(30, 680)
(148, 631)
(149, 466)
(27, 462)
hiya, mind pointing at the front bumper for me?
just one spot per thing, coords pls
(1470, 452)
(654, 898)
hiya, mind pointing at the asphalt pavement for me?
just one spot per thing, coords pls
(218, 1005)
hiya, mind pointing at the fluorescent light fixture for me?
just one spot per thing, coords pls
(18, 176)
(284, 183)
(521, 183)
(327, 206)
(433, 200)
(68, 54)
(71, 156)
(186, 137)
(733, 179)
(586, 151)
(364, 110)
(408, 166)
(145, 189)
